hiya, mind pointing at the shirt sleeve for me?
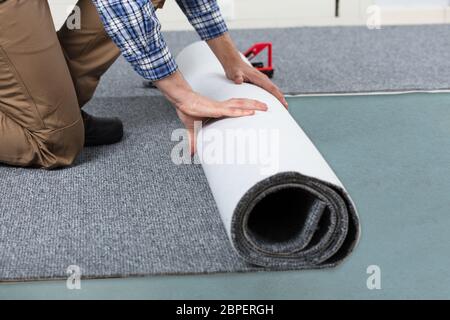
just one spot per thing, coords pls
(136, 30)
(205, 17)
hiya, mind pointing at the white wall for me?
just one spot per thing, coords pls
(260, 13)
(292, 13)
(412, 3)
(414, 11)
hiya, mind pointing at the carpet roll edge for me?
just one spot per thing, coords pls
(331, 250)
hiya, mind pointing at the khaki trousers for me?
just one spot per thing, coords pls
(45, 78)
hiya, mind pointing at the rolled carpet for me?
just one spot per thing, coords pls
(281, 204)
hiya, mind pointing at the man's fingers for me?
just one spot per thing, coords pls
(264, 82)
(239, 79)
(206, 110)
(238, 108)
(234, 112)
(192, 141)
(229, 108)
(247, 104)
(273, 89)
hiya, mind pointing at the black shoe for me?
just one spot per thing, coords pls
(101, 131)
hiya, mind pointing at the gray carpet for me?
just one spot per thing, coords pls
(122, 210)
(329, 59)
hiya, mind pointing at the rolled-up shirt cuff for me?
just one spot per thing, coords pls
(156, 65)
(209, 25)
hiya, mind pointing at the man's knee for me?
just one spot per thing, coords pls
(60, 148)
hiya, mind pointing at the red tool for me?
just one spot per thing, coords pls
(256, 49)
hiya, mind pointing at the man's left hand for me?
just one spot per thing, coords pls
(241, 72)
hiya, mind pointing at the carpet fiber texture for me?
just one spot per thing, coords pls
(328, 59)
(124, 209)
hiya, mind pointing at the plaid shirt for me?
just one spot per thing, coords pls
(134, 27)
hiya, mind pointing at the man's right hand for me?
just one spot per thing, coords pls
(192, 106)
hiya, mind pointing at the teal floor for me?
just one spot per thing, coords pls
(392, 152)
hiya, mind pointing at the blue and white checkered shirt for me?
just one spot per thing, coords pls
(136, 30)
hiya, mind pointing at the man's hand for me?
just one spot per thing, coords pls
(192, 106)
(239, 71)
(195, 107)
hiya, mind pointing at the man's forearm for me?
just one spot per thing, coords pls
(225, 50)
(174, 87)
